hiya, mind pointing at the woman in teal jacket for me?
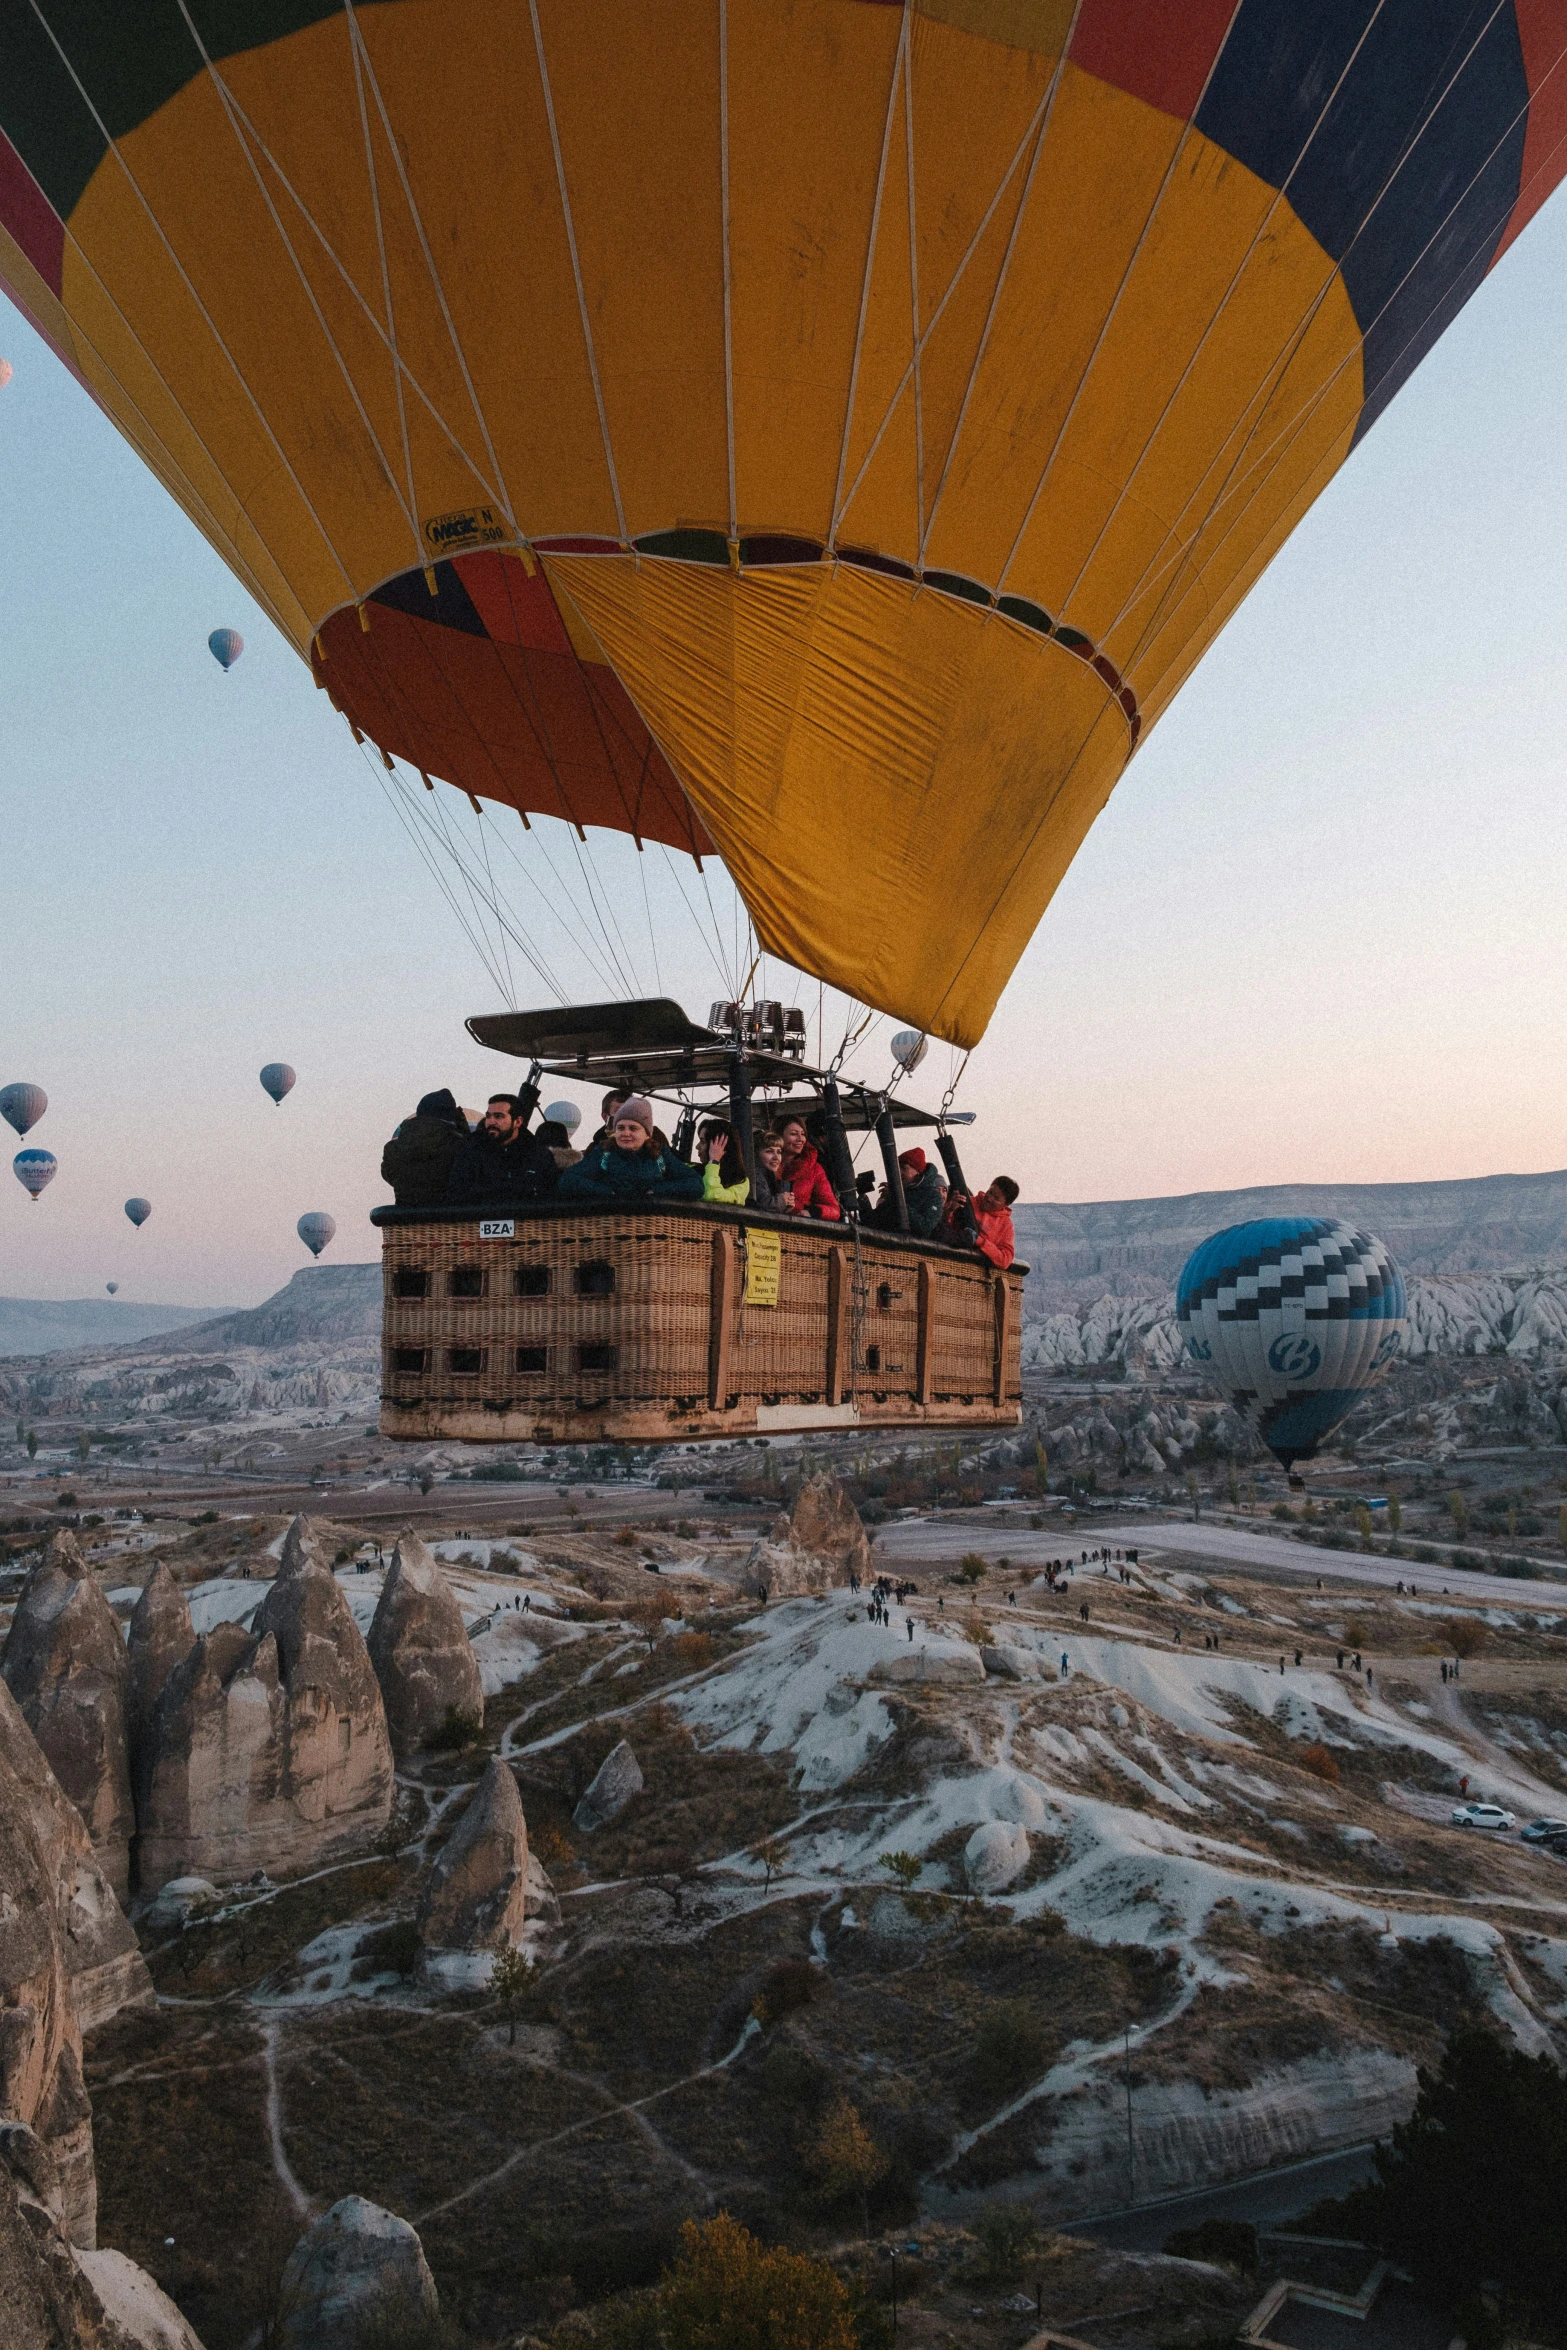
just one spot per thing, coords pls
(631, 1166)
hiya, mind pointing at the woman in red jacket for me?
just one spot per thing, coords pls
(806, 1190)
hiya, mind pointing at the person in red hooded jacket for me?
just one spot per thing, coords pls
(806, 1190)
(985, 1222)
(993, 1222)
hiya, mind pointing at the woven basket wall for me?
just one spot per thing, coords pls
(635, 1325)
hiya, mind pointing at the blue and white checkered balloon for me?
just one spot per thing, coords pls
(1295, 1316)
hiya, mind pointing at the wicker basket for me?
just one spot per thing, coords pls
(601, 1323)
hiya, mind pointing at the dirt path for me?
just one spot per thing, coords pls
(270, 2035)
(633, 2107)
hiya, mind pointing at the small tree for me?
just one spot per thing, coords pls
(972, 1568)
(1363, 1524)
(1008, 2235)
(1395, 1513)
(846, 2159)
(1464, 1636)
(1458, 1511)
(773, 1854)
(32, 1444)
(726, 2291)
(1474, 2184)
(1192, 1494)
(905, 1867)
(511, 1982)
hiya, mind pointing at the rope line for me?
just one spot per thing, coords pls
(576, 268)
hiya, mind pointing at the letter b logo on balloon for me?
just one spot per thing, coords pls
(1294, 1355)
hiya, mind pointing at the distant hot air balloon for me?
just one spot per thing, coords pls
(22, 1106)
(225, 645)
(564, 1114)
(5, 373)
(909, 1048)
(111, 1287)
(34, 1169)
(315, 1231)
(1295, 1316)
(138, 1211)
(277, 1079)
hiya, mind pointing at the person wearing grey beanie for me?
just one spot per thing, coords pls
(633, 1163)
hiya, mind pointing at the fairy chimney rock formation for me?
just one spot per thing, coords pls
(269, 1749)
(617, 1779)
(358, 2267)
(820, 1542)
(68, 1960)
(64, 1663)
(420, 1649)
(474, 1900)
(161, 1638)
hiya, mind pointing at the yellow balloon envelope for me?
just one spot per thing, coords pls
(823, 431)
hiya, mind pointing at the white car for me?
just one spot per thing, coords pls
(1541, 1831)
(1483, 1815)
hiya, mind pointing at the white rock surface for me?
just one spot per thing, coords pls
(617, 1779)
(131, 2300)
(995, 1856)
(951, 1666)
(357, 2259)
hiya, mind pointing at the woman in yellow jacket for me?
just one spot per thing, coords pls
(725, 1182)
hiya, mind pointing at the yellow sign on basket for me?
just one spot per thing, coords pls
(763, 1263)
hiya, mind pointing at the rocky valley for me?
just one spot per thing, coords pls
(870, 1906)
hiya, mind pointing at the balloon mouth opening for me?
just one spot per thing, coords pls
(1297, 1483)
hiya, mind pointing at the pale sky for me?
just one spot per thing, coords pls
(1317, 934)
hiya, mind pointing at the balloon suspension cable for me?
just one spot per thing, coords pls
(946, 1099)
(851, 1037)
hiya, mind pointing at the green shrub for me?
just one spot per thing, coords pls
(1007, 2234)
(1010, 2047)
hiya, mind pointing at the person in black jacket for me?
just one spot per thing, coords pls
(502, 1163)
(417, 1162)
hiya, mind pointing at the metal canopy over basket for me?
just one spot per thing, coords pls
(651, 1046)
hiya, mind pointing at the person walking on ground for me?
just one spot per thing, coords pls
(1066, 1670)
(909, 1620)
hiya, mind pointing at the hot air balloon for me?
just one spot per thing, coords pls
(112, 1287)
(34, 1170)
(138, 1211)
(564, 1114)
(277, 1079)
(225, 645)
(909, 1048)
(315, 1231)
(22, 1106)
(1294, 1316)
(829, 407)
